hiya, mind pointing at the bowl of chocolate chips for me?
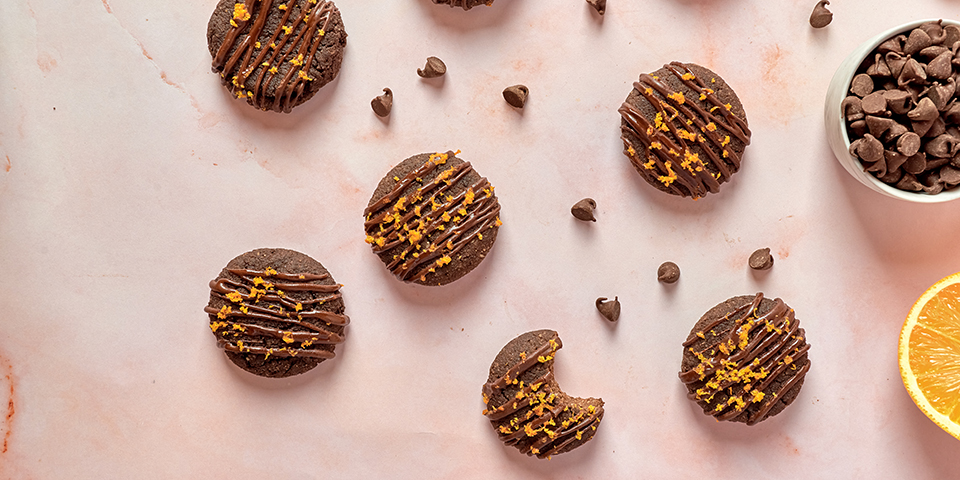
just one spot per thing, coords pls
(892, 112)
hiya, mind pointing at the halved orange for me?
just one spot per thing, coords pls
(930, 353)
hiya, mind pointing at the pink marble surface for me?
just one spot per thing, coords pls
(129, 177)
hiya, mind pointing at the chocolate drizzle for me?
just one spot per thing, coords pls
(261, 318)
(530, 412)
(747, 361)
(423, 225)
(666, 154)
(272, 69)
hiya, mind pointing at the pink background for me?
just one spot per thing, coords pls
(129, 177)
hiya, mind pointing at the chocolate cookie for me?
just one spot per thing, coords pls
(276, 312)
(745, 360)
(465, 4)
(432, 219)
(684, 129)
(526, 406)
(276, 55)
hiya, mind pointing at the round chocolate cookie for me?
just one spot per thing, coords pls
(465, 4)
(684, 129)
(276, 55)
(526, 406)
(432, 219)
(276, 312)
(745, 360)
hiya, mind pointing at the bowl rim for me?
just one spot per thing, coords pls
(845, 72)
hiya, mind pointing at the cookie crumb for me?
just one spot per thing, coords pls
(761, 259)
(583, 210)
(668, 272)
(821, 17)
(383, 104)
(516, 95)
(433, 69)
(599, 5)
(609, 309)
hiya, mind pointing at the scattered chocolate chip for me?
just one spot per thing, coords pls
(861, 85)
(516, 95)
(761, 259)
(433, 69)
(383, 104)
(609, 309)
(821, 17)
(668, 272)
(599, 5)
(583, 210)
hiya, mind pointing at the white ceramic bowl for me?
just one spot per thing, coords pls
(837, 130)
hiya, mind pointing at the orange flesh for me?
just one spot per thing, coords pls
(935, 352)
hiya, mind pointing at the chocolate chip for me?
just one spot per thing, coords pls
(871, 150)
(921, 128)
(383, 104)
(879, 67)
(912, 73)
(935, 163)
(924, 111)
(918, 40)
(874, 103)
(909, 183)
(937, 128)
(895, 62)
(932, 51)
(851, 108)
(861, 85)
(942, 146)
(879, 125)
(940, 67)
(854, 146)
(893, 44)
(583, 210)
(940, 95)
(950, 175)
(952, 114)
(821, 17)
(898, 101)
(878, 168)
(892, 176)
(934, 30)
(761, 259)
(668, 272)
(599, 5)
(610, 310)
(516, 95)
(859, 128)
(433, 69)
(908, 143)
(951, 35)
(895, 131)
(894, 160)
(916, 163)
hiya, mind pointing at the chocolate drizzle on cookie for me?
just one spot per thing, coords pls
(424, 224)
(748, 361)
(666, 155)
(528, 409)
(263, 318)
(272, 68)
